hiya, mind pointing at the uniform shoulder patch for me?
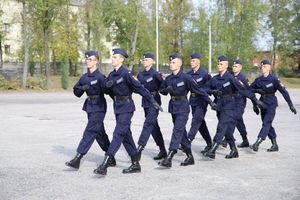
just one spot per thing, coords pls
(241, 82)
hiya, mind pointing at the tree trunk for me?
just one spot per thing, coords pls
(26, 40)
(47, 58)
(1, 53)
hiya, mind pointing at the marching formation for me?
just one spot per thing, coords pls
(229, 90)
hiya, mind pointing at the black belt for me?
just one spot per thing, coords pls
(194, 94)
(224, 96)
(237, 95)
(268, 95)
(175, 98)
(93, 97)
(122, 98)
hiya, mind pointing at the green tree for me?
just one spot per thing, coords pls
(44, 13)
(65, 71)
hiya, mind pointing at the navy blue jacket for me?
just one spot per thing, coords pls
(270, 85)
(151, 80)
(124, 85)
(201, 77)
(181, 83)
(96, 81)
(239, 98)
(228, 85)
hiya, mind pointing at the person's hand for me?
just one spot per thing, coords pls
(216, 93)
(85, 87)
(256, 110)
(260, 91)
(213, 106)
(157, 106)
(293, 109)
(109, 84)
(261, 104)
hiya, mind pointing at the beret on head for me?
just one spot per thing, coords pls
(91, 53)
(148, 55)
(175, 55)
(222, 58)
(196, 56)
(121, 52)
(237, 61)
(265, 62)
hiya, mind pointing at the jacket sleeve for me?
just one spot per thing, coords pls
(193, 87)
(77, 88)
(284, 92)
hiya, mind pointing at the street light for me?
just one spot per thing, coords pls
(156, 33)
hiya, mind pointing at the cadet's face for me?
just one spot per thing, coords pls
(265, 69)
(147, 62)
(195, 63)
(91, 62)
(222, 66)
(236, 68)
(175, 64)
(116, 60)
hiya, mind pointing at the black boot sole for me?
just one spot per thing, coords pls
(132, 171)
(99, 173)
(72, 166)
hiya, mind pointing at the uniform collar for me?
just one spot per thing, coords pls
(177, 75)
(94, 73)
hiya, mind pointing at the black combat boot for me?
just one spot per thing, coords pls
(162, 153)
(256, 144)
(233, 153)
(244, 144)
(102, 169)
(112, 162)
(140, 149)
(274, 146)
(134, 167)
(212, 151)
(167, 162)
(206, 149)
(75, 162)
(190, 159)
(224, 143)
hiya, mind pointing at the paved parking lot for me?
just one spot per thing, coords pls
(39, 132)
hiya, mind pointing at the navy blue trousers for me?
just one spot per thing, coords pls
(267, 117)
(225, 127)
(122, 135)
(179, 134)
(240, 125)
(199, 124)
(94, 130)
(151, 127)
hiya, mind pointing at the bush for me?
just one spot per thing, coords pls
(9, 84)
(65, 72)
(36, 83)
(284, 71)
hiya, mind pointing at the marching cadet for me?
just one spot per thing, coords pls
(93, 84)
(267, 85)
(151, 80)
(198, 103)
(178, 84)
(240, 102)
(120, 86)
(223, 86)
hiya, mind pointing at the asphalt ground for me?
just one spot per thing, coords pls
(39, 132)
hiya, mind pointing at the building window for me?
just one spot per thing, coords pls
(6, 27)
(7, 49)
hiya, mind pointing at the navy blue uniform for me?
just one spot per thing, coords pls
(199, 107)
(228, 85)
(151, 80)
(95, 106)
(181, 84)
(124, 85)
(269, 85)
(240, 105)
